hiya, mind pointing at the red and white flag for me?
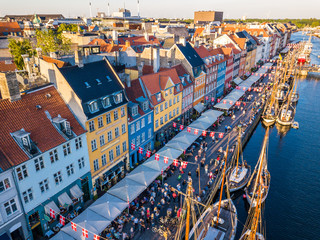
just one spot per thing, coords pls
(166, 160)
(196, 131)
(188, 129)
(207, 98)
(212, 99)
(133, 146)
(174, 124)
(249, 89)
(224, 101)
(140, 150)
(157, 157)
(218, 100)
(237, 103)
(85, 233)
(52, 213)
(73, 226)
(244, 88)
(62, 220)
(181, 127)
(184, 164)
(175, 162)
(96, 237)
(211, 134)
(220, 135)
(148, 154)
(231, 103)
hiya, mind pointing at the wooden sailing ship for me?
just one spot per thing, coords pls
(260, 175)
(239, 175)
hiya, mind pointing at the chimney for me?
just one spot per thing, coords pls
(78, 58)
(140, 68)
(128, 44)
(220, 30)
(115, 36)
(9, 86)
(146, 36)
(27, 64)
(196, 44)
(183, 41)
(39, 52)
(156, 60)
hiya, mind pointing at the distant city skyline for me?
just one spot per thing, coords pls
(168, 8)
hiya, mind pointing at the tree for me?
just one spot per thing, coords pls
(68, 28)
(52, 41)
(19, 48)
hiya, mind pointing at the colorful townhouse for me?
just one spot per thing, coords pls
(96, 96)
(140, 123)
(228, 53)
(221, 76)
(164, 91)
(45, 145)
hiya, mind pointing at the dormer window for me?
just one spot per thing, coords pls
(118, 98)
(134, 110)
(23, 139)
(105, 102)
(178, 88)
(63, 125)
(159, 97)
(93, 106)
(145, 106)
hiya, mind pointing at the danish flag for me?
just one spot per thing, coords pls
(244, 88)
(211, 134)
(249, 89)
(212, 99)
(73, 226)
(220, 135)
(148, 154)
(174, 124)
(156, 157)
(96, 237)
(207, 98)
(140, 150)
(231, 102)
(257, 74)
(85, 233)
(181, 127)
(184, 164)
(244, 104)
(255, 89)
(62, 220)
(204, 133)
(133, 146)
(196, 131)
(237, 87)
(166, 159)
(237, 103)
(224, 101)
(218, 100)
(52, 213)
(175, 162)
(188, 129)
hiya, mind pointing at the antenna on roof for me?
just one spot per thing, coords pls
(108, 9)
(138, 9)
(90, 8)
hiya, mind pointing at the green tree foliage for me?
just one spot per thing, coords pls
(19, 48)
(68, 28)
(52, 41)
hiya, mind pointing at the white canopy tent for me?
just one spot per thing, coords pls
(212, 114)
(237, 81)
(182, 137)
(143, 175)
(127, 189)
(234, 96)
(255, 77)
(177, 145)
(199, 125)
(62, 236)
(199, 107)
(108, 206)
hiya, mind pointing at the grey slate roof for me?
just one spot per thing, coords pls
(191, 55)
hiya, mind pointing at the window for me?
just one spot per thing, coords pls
(174, 101)
(157, 110)
(96, 165)
(93, 106)
(39, 164)
(81, 163)
(102, 141)
(123, 112)
(138, 140)
(10, 206)
(22, 172)
(118, 150)
(143, 123)
(159, 97)
(134, 110)
(4, 185)
(132, 129)
(44, 185)
(27, 195)
(70, 170)
(57, 177)
(133, 141)
(117, 98)
(161, 107)
(123, 128)
(138, 125)
(178, 98)
(111, 155)
(105, 102)
(66, 149)
(116, 132)
(170, 115)
(149, 118)
(108, 118)
(149, 133)
(100, 122)
(124, 146)
(170, 90)
(145, 106)
(91, 126)
(54, 156)
(178, 87)
(157, 123)
(143, 137)
(161, 120)
(166, 105)
(177, 111)
(93, 145)
(115, 115)
(170, 102)
(78, 143)
(103, 160)
(166, 118)
(109, 136)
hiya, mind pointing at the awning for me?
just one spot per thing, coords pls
(64, 200)
(127, 189)
(232, 97)
(237, 80)
(143, 175)
(199, 107)
(53, 206)
(177, 145)
(76, 192)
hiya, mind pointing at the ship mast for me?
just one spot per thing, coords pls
(238, 152)
(255, 221)
(188, 201)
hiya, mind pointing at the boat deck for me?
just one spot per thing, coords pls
(238, 182)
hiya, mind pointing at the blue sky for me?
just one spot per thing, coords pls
(170, 8)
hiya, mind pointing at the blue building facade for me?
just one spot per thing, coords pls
(221, 78)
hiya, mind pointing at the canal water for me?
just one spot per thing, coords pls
(292, 209)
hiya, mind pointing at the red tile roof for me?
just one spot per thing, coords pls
(204, 52)
(24, 114)
(181, 71)
(6, 66)
(59, 63)
(134, 91)
(9, 27)
(107, 47)
(139, 40)
(198, 32)
(241, 42)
